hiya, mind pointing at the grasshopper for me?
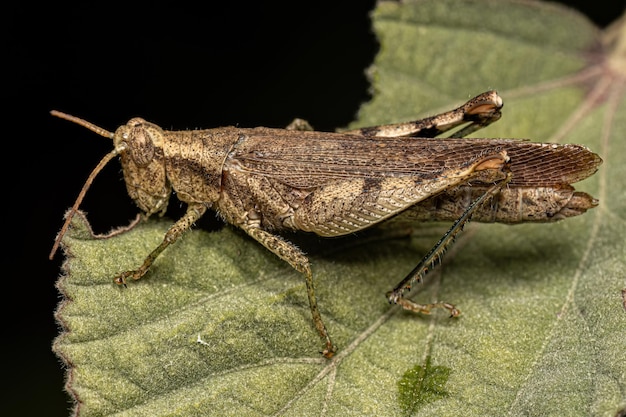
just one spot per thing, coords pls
(265, 181)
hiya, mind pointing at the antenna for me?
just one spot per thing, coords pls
(102, 132)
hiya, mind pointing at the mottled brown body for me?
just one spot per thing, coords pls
(511, 205)
(267, 180)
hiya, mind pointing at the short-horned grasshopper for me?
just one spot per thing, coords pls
(266, 180)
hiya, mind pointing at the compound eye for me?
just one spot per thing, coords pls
(140, 145)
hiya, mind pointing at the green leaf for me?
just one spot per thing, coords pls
(422, 385)
(221, 326)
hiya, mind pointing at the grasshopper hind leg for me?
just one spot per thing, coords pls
(477, 113)
(435, 255)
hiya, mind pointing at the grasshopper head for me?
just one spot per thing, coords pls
(143, 163)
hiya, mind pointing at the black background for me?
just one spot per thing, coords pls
(180, 66)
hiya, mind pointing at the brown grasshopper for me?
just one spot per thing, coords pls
(265, 181)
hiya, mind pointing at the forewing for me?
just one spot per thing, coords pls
(547, 164)
(307, 160)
